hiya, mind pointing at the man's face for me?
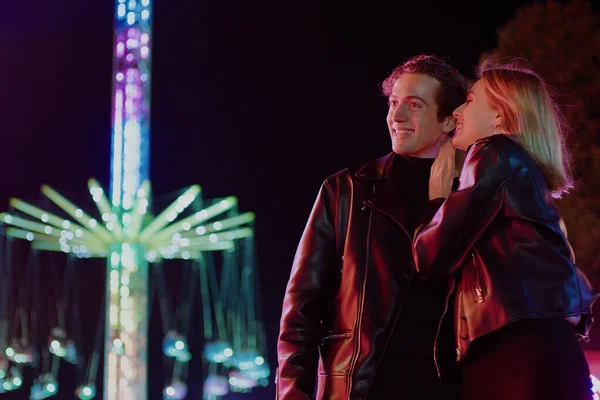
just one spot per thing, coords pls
(412, 116)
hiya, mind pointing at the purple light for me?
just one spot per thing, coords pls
(120, 49)
(216, 385)
(130, 167)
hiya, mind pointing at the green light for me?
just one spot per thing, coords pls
(86, 392)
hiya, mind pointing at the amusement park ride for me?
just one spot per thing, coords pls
(211, 240)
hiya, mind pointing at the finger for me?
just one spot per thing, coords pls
(449, 149)
(447, 152)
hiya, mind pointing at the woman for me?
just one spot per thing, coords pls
(517, 295)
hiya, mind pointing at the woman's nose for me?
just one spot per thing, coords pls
(456, 113)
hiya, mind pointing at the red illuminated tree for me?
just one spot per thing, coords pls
(561, 41)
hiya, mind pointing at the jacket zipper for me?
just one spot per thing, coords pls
(410, 239)
(336, 336)
(437, 335)
(459, 335)
(437, 366)
(360, 310)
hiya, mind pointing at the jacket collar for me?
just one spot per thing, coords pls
(378, 169)
(386, 198)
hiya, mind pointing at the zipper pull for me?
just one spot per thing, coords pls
(458, 354)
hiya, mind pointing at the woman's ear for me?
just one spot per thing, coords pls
(498, 123)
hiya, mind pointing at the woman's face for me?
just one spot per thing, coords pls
(475, 119)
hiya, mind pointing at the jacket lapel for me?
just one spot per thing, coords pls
(383, 196)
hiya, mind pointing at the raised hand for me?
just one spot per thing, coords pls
(443, 171)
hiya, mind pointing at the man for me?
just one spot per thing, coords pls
(357, 321)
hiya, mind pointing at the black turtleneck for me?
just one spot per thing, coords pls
(411, 178)
(407, 370)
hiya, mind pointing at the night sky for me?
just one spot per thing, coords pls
(258, 99)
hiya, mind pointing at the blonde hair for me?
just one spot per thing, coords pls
(531, 117)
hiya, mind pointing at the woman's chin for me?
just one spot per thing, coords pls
(457, 143)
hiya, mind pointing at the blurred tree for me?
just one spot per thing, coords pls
(561, 41)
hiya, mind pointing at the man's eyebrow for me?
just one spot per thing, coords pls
(413, 97)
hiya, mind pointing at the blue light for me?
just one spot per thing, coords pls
(131, 18)
(49, 385)
(19, 354)
(245, 359)
(71, 355)
(13, 379)
(36, 392)
(121, 10)
(175, 346)
(218, 351)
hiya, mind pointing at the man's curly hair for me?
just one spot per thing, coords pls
(453, 86)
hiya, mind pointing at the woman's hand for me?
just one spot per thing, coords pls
(443, 171)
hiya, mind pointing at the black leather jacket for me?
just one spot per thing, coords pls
(335, 330)
(499, 235)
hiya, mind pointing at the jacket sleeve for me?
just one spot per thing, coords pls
(441, 244)
(310, 287)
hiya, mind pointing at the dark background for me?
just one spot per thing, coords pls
(257, 99)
